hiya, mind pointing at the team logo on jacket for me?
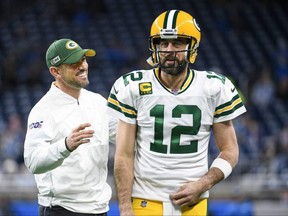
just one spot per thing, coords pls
(145, 88)
(36, 125)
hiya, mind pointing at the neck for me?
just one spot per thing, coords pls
(173, 82)
(73, 92)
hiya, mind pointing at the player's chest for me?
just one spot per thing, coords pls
(180, 109)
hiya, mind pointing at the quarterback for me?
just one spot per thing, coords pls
(166, 116)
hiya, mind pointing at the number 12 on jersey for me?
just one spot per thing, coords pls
(175, 148)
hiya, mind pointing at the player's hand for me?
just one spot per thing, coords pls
(188, 194)
(79, 136)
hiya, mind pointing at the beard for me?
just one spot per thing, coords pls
(174, 69)
(80, 84)
(76, 84)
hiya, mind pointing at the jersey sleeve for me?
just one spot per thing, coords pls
(121, 103)
(229, 104)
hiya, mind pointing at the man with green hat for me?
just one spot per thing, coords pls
(67, 140)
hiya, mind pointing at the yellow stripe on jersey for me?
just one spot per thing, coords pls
(229, 107)
(127, 110)
(187, 81)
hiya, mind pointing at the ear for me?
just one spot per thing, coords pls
(54, 71)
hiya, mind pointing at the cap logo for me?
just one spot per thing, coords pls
(71, 45)
(55, 60)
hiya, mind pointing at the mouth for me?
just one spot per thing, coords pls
(82, 74)
(170, 62)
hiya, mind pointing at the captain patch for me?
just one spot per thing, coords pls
(145, 88)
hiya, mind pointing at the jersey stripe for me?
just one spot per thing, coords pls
(185, 85)
(127, 110)
(229, 107)
(188, 81)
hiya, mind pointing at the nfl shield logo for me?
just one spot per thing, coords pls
(143, 203)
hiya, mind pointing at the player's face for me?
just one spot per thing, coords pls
(75, 75)
(172, 56)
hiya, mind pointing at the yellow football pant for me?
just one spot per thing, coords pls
(142, 207)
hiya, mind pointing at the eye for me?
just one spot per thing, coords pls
(179, 43)
(164, 44)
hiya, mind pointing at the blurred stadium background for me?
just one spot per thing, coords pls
(244, 40)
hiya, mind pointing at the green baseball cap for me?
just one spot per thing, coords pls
(66, 51)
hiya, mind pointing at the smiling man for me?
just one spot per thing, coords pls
(67, 139)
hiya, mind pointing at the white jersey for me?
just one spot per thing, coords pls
(173, 127)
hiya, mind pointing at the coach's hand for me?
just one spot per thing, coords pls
(78, 136)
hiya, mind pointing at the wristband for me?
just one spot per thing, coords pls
(67, 145)
(223, 165)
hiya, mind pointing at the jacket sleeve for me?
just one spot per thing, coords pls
(113, 122)
(40, 154)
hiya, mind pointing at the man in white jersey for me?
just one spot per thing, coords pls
(166, 116)
(67, 139)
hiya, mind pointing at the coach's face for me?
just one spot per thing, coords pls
(74, 75)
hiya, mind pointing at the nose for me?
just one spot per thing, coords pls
(170, 47)
(83, 64)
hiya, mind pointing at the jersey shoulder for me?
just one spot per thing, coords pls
(136, 76)
(210, 77)
(132, 81)
(124, 94)
(209, 82)
(228, 103)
